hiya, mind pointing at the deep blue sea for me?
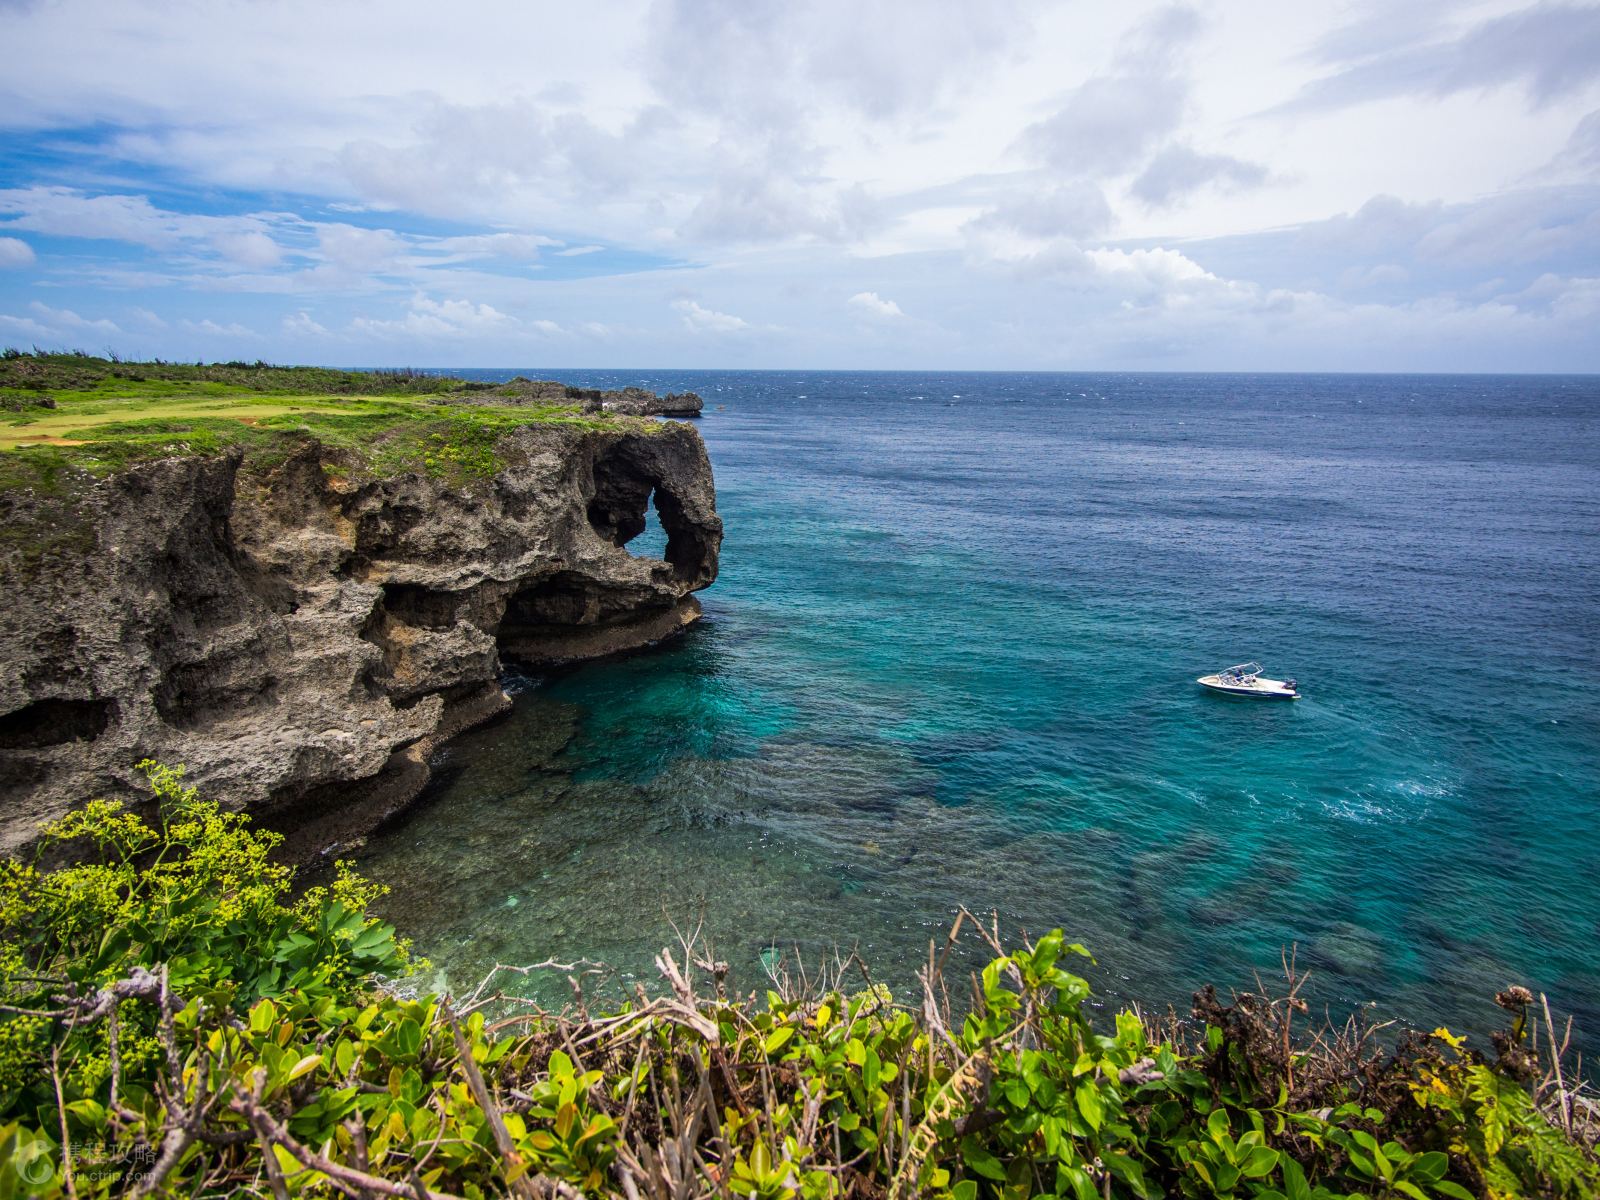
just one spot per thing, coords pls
(951, 659)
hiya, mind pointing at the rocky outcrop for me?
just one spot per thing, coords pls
(303, 641)
(636, 402)
(629, 402)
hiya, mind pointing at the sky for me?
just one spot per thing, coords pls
(836, 184)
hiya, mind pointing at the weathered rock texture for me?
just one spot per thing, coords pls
(302, 643)
(632, 402)
(640, 403)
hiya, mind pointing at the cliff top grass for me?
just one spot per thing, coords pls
(64, 413)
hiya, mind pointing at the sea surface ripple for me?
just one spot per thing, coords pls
(950, 660)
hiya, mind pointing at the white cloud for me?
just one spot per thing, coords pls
(1106, 123)
(351, 248)
(1582, 151)
(1157, 267)
(210, 328)
(55, 325)
(66, 212)
(27, 327)
(520, 247)
(1551, 50)
(1377, 276)
(248, 248)
(763, 64)
(1061, 184)
(1178, 171)
(1023, 257)
(874, 306)
(1077, 209)
(435, 319)
(704, 320)
(14, 252)
(302, 324)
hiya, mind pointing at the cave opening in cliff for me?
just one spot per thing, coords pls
(631, 508)
(651, 541)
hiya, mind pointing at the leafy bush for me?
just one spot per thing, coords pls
(176, 1022)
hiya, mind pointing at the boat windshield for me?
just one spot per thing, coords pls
(1243, 671)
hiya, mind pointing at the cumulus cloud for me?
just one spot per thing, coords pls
(536, 159)
(67, 212)
(432, 319)
(53, 324)
(756, 206)
(1109, 122)
(1157, 267)
(248, 248)
(757, 63)
(775, 80)
(1141, 275)
(875, 307)
(1382, 224)
(14, 252)
(352, 248)
(1014, 255)
(236, 241)
(257, 252)
(1517, 227)
(243, 241)
(704, 320)
(974, 158)
(1178, 171)
(302, 324)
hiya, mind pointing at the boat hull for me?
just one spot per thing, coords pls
(1261, 689)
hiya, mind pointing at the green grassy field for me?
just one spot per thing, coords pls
(63, 414)
(81, 420)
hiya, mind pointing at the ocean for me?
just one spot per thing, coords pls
(951, 660)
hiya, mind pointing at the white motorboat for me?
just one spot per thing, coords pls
(1245, 680)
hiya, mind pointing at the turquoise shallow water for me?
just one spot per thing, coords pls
(950, 659)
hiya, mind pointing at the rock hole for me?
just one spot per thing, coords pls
(54, 722)
(627, 495)
(651, 541)
(421, 606)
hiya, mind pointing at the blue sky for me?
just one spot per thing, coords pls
(843, 183)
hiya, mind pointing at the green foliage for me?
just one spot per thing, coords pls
(175, 1020)
(76, 371)
(197, 897)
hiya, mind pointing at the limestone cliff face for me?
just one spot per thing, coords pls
(303, 642)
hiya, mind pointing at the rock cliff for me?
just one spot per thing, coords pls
(302, 640)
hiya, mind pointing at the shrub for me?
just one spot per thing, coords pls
(176, 1022)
